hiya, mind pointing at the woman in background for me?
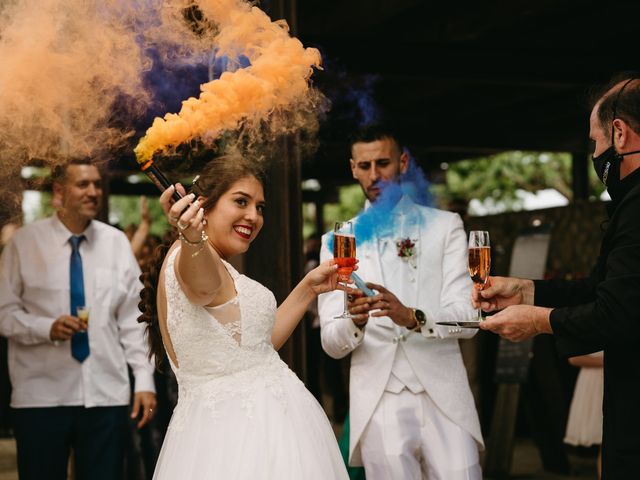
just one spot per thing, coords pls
(584, 426)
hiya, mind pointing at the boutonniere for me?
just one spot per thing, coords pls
(407, 250)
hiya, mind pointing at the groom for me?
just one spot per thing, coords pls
(412, 412)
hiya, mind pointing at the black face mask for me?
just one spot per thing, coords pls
(607, 166)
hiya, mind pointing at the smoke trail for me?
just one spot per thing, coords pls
(379, 221)
(276, 79)
(363, 97)
(79, 78)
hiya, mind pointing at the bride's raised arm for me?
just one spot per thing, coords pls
(198, 266)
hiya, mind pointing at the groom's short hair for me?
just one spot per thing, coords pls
(375, 131)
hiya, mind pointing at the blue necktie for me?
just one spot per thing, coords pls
(80, 340)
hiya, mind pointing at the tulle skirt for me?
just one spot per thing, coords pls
(584, 427)
(267, 433)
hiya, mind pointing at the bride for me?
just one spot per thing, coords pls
(241, 413)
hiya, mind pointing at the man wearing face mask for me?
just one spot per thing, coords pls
(601, 312)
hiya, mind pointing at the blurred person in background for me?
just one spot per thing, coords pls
(69, 377)
(584, 426)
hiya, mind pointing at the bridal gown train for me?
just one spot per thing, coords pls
(241, 412)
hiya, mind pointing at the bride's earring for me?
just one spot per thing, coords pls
(204, 222)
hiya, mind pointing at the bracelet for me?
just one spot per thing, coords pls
(200, 243)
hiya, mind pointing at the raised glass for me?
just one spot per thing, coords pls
(479, 260)
(344, 253)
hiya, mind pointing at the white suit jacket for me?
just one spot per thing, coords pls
(440, 286)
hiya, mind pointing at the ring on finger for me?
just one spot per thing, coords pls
(173, 219)
(182, 226)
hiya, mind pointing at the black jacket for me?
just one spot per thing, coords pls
(603, 313)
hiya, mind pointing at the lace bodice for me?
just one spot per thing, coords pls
(202, 345)
(222, 356)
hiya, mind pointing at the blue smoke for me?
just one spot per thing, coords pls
(378, 220)
(170, 82)
(363, 97)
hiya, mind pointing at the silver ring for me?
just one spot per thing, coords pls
(173, 219)
(182, 226)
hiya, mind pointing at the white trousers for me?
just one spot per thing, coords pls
(409, 438)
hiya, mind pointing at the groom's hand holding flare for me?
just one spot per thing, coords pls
(518, 319)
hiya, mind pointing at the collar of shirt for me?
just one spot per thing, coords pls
(61, 233)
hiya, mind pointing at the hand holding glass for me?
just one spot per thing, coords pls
(344, 253)
(479, 260)
(83, 315)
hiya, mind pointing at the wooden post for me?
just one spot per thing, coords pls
(580, 175)
(275, 257)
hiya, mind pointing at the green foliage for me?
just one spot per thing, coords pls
(42, 210)
(498, 177)
(124, 210)
(351, 202)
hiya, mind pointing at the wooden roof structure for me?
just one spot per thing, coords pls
(457, 80)
(466, 79)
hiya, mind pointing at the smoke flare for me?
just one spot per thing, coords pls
(277, 78)
(78, 77)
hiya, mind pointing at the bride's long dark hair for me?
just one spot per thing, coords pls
(217, 177)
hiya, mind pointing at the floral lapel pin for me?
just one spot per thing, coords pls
(407, 250)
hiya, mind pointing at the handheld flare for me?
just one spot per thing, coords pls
(275, 81)
(158, 178)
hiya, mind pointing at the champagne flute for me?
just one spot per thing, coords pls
(479, 261)
(344, 253)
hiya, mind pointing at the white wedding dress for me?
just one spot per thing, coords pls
(241, 412)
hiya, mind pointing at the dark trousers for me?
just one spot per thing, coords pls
(44, 437)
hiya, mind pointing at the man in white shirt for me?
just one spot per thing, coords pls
(70, 380)
(411, 410)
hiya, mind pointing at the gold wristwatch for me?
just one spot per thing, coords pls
(419, 317)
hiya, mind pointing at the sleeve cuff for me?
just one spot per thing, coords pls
(42, 329)
(542, 290)
(429, 328)
(356, 334)
(144, 382)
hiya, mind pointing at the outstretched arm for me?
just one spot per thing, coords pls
(323, 278)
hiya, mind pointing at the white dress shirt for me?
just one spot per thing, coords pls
(34, 292)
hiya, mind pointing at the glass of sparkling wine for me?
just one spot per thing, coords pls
(479, 260)
(344, 253)
(83, 315)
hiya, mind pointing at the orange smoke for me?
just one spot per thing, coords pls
(276, 81)
(63, 65)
